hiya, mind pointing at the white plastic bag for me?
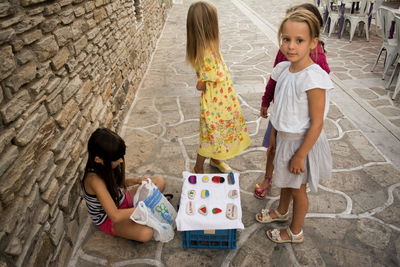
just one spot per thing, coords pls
(155, 211)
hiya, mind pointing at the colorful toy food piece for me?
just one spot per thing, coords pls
(231, 178)
(203, 210)
(231, 211)
(191, 194)
(233, 193)
(205, 179)
(192, 179)
(205, 193)
(190, 208)
(218, 179)
(216, 210)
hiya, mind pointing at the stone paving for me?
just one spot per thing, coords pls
(354, 218)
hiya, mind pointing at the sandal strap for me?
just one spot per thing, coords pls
(294, 236)
(279, 215)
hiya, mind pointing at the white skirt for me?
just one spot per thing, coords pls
(318, 163)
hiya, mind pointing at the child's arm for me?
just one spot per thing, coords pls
(270, 87)
(201, 86)
(316, 107)
(267, 97)
(100, 189)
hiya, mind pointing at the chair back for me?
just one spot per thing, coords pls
(332, 6)
(364, 7)
(397, 31)
(384, 16)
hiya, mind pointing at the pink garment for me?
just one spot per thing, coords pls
(107, 226)
(318, 57)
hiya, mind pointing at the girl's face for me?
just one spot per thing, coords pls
(296, 41)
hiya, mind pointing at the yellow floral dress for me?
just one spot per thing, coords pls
(223, 131)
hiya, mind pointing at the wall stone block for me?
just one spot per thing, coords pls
(63, 35)
(6, 35)
(42, 251)
(96, 108)
(28, 23)
(67, 113)
(47, 178)
(7, 62)
(63, 155)
(61, 167)
(31, 36)
(21, 76)
(99, 3)
(72, 87)
(6, 9)
(65, 2)
(61, 139)
(46, 48)
(50, 194)
(37, 87)
(55, 105)
(84, 91)
(44, 163)
(80, 45)
(31, 127)
(14, 247)
(31, 2)
(7, 158)
(67, 16)
(35, 11)
(60, 59)
(89, 6)
(14, 108)
(11, 21)
(79, 11)
(51, 9)
(6, 136)
(49, 25)
(99, 14)
(24, 56)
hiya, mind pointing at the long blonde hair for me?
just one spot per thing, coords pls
(302, 16)
(202, 32)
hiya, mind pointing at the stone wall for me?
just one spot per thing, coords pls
(66, 67)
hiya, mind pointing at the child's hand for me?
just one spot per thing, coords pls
(263, 112)
(296, 165)
(201, 86)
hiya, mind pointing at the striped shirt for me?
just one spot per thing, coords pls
(95, 208)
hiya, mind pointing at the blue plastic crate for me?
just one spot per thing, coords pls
(221, 239)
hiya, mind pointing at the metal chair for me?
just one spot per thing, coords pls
(333, 16)
(359, 17)
(397, 67)
(389, 45)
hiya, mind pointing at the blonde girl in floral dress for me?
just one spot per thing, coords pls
(223, 131)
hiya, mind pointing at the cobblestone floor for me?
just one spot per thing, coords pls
(354, 218)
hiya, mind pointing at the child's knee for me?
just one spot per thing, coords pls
(146, 235)
(159, 181)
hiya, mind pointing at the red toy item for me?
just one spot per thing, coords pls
(216, 210)
(218, 179)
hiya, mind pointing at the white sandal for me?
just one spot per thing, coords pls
(266, 218)
(275, 236)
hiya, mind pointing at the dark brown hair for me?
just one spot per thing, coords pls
(108, 146)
